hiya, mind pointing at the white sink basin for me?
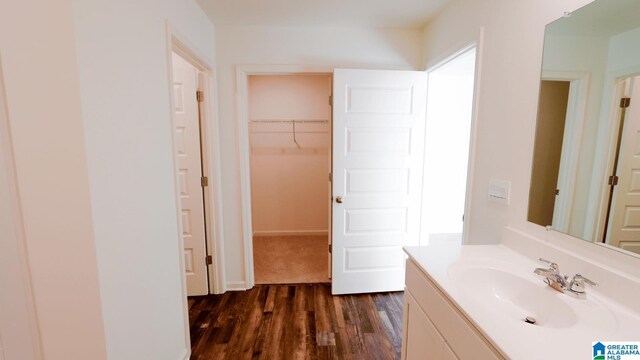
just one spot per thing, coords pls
(513, 295)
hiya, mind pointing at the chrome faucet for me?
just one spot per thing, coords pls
(552, 275)
(576, 287)
(561, 283)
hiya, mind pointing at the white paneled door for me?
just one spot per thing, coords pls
(625, 220)
(378, 145)
(187, 145)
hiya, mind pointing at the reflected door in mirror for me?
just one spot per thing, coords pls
(625, 215)
(552, 110)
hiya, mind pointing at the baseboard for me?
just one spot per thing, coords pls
(292, 233)
(236, 286)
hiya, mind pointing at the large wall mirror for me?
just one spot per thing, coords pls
(585, 178)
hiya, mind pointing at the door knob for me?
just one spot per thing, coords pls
(339, 199)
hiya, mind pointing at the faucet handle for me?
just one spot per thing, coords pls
(553, 266)
(578, 281)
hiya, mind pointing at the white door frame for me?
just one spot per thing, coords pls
(242, 107)
(478, 45)
(25, 336)
(571, 142)
(210, 142)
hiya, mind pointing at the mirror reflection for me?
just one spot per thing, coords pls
(585, 179)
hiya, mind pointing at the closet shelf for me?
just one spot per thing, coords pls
(289, 132)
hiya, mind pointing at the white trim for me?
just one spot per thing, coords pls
(22, 268)
(571, 142)
(242, 76)
(603, 162)
(213, 192)
(186, 355)
(478, 44)
(237, 286)
(175, 42)
(454, 50)
(292, 233)
(471, 171)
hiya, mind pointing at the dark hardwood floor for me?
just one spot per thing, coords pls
(295, 322)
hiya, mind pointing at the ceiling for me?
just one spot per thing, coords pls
(348, 13)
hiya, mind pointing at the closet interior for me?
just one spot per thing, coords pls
(290, 139)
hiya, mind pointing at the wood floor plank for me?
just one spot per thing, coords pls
(295, 322)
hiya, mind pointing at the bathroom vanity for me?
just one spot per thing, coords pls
(473, 302)
(433, 325)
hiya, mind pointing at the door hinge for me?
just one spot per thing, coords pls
(200, 96)
(625, 102)
(330, 100)
(331, 248)
(209, 259)
(613, 180)
(330, 177)
(204, 181)
(557, 191)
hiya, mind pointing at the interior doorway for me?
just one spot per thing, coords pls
(196, 169)
(188, 95)
(289, 128)
(376, 150)
(449, 124)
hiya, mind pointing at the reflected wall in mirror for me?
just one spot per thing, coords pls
(585, 178)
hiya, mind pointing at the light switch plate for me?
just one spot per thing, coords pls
(500, 191)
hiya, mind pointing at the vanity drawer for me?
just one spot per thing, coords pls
(463, 338)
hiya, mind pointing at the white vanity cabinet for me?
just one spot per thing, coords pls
(433, 328)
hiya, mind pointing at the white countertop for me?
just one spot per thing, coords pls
(597, 318)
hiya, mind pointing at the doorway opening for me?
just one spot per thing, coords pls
(561, 117)
(192, 180)
(450, 102)
(552, 111)
(289, 128)
(373, 177)
(196, 170)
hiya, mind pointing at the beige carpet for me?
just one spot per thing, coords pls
(290, 259)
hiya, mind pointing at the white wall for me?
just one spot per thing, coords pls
(122, 58)
(37, 47)
(510, 59)
(622, 56)
(331, 47)
(289, 185)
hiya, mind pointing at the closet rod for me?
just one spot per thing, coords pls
(289, 121)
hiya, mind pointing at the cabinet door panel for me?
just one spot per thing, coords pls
(421, 339)
(451, 324)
